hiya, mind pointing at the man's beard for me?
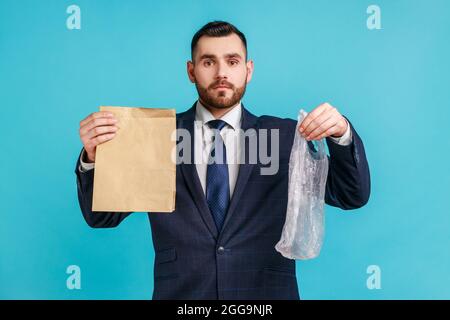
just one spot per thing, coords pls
(210, 98)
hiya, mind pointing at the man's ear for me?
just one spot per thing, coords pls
(190, 71)
(250, 67)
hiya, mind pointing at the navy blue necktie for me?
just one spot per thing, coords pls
(217, 182)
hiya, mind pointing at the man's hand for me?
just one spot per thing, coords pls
(96, 129)
(323, 121)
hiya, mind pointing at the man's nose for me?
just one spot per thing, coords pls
(222, 71)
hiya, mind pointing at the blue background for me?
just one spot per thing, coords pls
(393, 84)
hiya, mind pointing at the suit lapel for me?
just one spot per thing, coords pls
(190, 174)
(249, 121)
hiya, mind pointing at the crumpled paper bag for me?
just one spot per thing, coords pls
(134, 171)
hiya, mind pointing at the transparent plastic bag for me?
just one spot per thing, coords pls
(303, 230)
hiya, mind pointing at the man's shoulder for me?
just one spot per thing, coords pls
(183, 114)
(273, 122)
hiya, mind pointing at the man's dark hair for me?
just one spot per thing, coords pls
(217, 29)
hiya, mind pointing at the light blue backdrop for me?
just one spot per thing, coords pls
(393, 84)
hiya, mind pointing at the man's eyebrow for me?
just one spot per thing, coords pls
(213, 56)
(207, 56)
(233, 55)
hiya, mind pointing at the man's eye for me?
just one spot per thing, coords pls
(207, 63)
(233, 62)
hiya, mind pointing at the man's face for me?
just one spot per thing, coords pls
(220, 71)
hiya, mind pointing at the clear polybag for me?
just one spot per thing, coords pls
(303, 230)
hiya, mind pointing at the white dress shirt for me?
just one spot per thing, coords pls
(203, 141)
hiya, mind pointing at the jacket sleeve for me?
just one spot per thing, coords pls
(85, 186)
(348, 180)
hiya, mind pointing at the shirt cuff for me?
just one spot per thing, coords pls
(85, 166)
(346, 138)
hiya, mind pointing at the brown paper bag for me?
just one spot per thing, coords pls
(134, 171)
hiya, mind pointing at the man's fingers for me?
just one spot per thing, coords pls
(96, 131)
(100, 139)
(322, 129)
(317, 122)
(312, 115)
(96, 122)
(92, 116)
(328, 132)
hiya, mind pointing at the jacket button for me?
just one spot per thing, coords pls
(220, 250)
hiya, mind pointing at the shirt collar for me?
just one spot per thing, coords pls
(232, 117)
